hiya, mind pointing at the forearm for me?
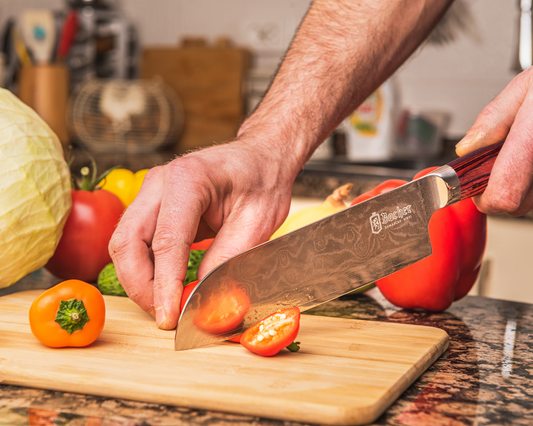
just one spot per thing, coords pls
(342, 52)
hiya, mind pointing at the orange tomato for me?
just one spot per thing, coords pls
(70, 314)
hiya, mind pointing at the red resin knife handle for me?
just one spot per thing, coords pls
(474, 169)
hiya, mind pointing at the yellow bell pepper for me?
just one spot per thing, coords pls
(124, 184)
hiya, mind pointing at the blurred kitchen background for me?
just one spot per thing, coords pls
(137, 82)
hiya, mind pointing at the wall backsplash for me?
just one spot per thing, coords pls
(460, 78)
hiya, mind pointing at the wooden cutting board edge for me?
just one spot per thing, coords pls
(356, 415)
(359, 415)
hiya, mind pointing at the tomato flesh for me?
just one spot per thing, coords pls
(221, 314)
(272, 334)
(187, 290)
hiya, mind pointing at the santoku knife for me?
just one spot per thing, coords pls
(331, 257)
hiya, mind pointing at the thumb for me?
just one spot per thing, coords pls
(494, 122)
(233, 239)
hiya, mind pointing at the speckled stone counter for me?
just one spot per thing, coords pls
(484, 378)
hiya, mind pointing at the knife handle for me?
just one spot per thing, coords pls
(473, 169)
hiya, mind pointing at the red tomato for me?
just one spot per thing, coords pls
(275, 332)
(202, 245)
(82, 251)
(187, 290)
(221, 314)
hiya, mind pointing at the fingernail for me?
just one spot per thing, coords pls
(470, 140)
(160, 316)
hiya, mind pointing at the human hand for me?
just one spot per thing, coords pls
(510, 187)
(239, 192)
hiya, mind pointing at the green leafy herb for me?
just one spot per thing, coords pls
(195, 258)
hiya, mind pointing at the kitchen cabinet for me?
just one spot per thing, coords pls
(507, 271)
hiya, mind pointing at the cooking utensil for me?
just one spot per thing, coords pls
(331, 257)
(39, 33)
(20, 48)
(346, 372)
(68, 33)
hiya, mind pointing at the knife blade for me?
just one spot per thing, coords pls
(330, 257)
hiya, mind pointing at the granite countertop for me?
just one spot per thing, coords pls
(485, 376)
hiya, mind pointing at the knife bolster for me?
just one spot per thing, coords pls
(474, 169)
(450, 190)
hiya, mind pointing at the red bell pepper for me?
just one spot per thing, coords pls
(458, 237)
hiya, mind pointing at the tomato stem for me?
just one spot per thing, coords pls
(294, 347)
(85, 180)
(88, 183)
(72, 315)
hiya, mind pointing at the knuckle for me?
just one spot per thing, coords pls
(153, 173)
(119, 243)
(165, 240)
(507, 202)
(190, 168)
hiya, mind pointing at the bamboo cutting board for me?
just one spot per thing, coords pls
(346, 372)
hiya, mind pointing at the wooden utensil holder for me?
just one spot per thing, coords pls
(45, 88)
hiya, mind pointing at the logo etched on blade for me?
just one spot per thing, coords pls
(389, 218)
(375, 223)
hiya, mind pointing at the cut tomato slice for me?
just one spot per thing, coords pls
(236, 339)
(223, 313)
(272, 334)
(187, 290)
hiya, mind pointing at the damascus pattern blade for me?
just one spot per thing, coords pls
(321, 261)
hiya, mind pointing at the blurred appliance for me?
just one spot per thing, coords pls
(130, 116)
(105, 44)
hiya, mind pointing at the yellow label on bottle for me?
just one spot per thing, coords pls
(365, 119)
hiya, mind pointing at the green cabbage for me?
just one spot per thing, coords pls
(35, 197)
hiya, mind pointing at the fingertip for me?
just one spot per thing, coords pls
(167, 308)
(163, 321)
(471, 142)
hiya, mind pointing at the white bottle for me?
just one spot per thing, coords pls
(371, 129)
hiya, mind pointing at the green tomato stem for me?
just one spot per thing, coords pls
(72, 315)
(294, 347)
(85, 180)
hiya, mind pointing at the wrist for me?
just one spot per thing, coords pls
(282, 134)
